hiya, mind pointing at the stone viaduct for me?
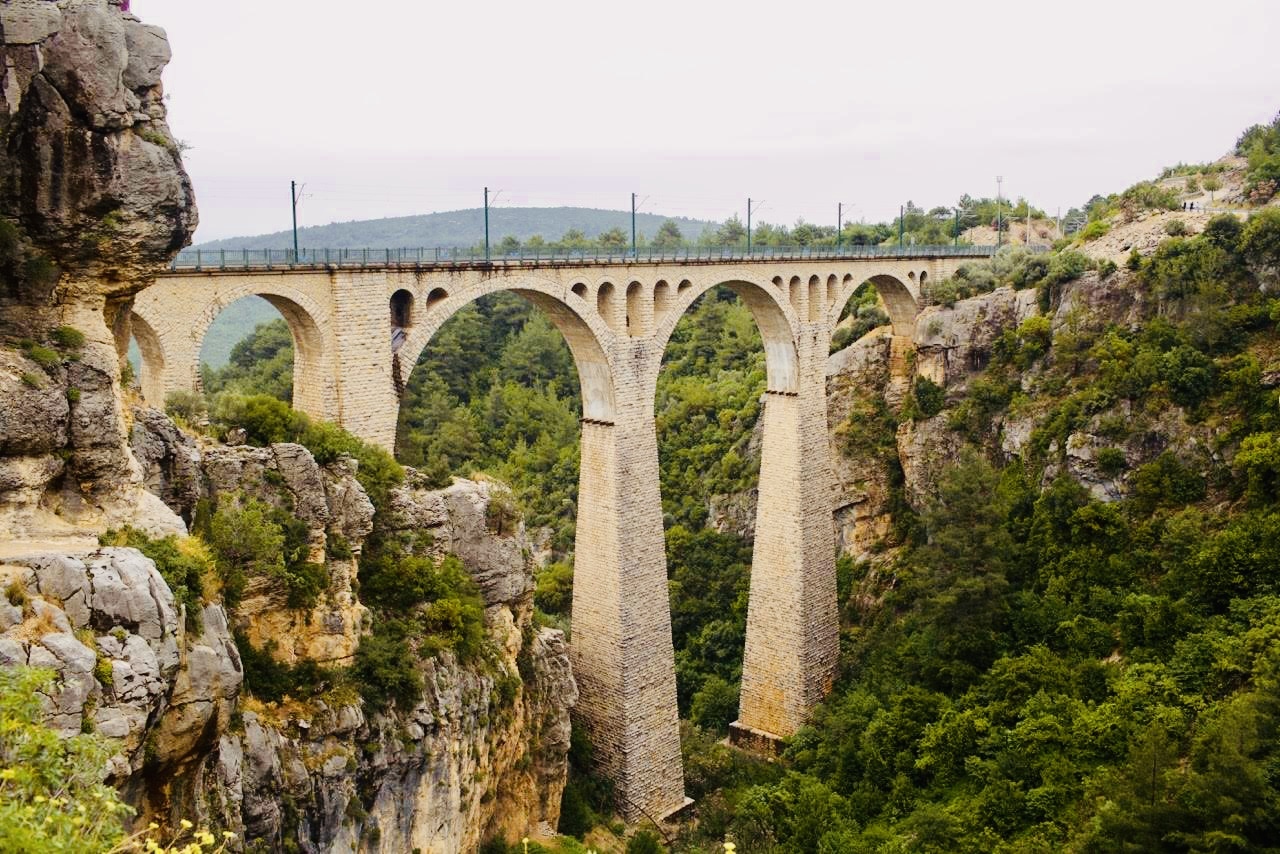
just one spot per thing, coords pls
(354, 330)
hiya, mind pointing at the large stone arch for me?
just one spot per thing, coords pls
(180, 339)
(899, 299)
(584, 331)
(774, 316)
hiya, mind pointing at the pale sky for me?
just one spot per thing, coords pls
(393, 107)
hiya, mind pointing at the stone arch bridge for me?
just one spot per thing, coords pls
(356, 328)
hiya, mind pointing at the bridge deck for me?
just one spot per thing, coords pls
(241, 260)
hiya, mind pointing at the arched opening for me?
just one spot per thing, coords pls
(639, 311)
(863, 313)
(499, 389)
(881, 298)
(796, 295)
(263, 344)
(401, 317)
(401, 309)
(435, 297)
(817, 300)
(580, 288)
(685, 284)
(662, 297)
(728, 357)
(609, 307)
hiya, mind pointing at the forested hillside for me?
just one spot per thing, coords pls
(461, 228)
(1067, 638)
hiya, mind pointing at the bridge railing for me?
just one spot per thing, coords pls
(271, 259)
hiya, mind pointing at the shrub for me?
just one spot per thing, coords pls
(1176, 228)
(31, 380)
(1094, 230)
(1106, 267)
(554, 593)
(271, 681)
(1189, 375)
(1165, 482)
(1259, 461)
(930, 397)
(1111, 461)
(41, 355)
(715, 705)
(68, 337)
(645, 842)
(186, 405)
(52, 797)
(1148, 195)
(245, 542)
(383, 667)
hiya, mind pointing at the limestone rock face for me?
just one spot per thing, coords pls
(476, 521)
(92, 176)
(93, 201)
(107, 624)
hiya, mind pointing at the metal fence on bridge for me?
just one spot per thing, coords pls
(273, 259)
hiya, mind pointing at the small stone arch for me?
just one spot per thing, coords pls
(610, 308)
(435, 297)
(795, 294)
(312, 378)
(639, 310)
(817, 299)
(580, 289)
(896, 295)
(662, 298)
(685, 284)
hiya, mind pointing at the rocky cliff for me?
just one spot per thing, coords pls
(93, 200)
(483, 753)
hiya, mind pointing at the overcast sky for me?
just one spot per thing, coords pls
(392, 107)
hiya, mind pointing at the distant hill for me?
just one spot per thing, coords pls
(459, 228)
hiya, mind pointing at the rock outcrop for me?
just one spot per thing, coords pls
(93, 201)
(483, 753)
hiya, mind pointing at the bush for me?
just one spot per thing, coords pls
(1259, 461)
(1111, 461)
(52, 797)
(645, 842)
(1106, 267)
(186, 406)
(271, 681)
(245, 542)
(1176, 228)
(930, 397)
(383, 668)
(41, 355)
(554, 593)
(715, 705)
(68, 337)
(1094, 230)
(1165, 482)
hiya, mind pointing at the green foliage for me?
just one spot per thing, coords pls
(383, 667)
(262, 363)
(41, 355)
(67, 338)
(1095, 229)
(554, 591)
(1148, 195)
(250, 538)
(1175, 228)
(186, 406)
(930, 397)
(715, 705)
(1261, 145)
(52, 797)
(271, 680)
(645, 842)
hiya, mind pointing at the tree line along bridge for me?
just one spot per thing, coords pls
(358, 322)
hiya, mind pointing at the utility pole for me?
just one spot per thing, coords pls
(633, 225)
(999, 232)
(293, 203)
(902, 212)
(486, 223)
(839, 223)
(748, 226)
